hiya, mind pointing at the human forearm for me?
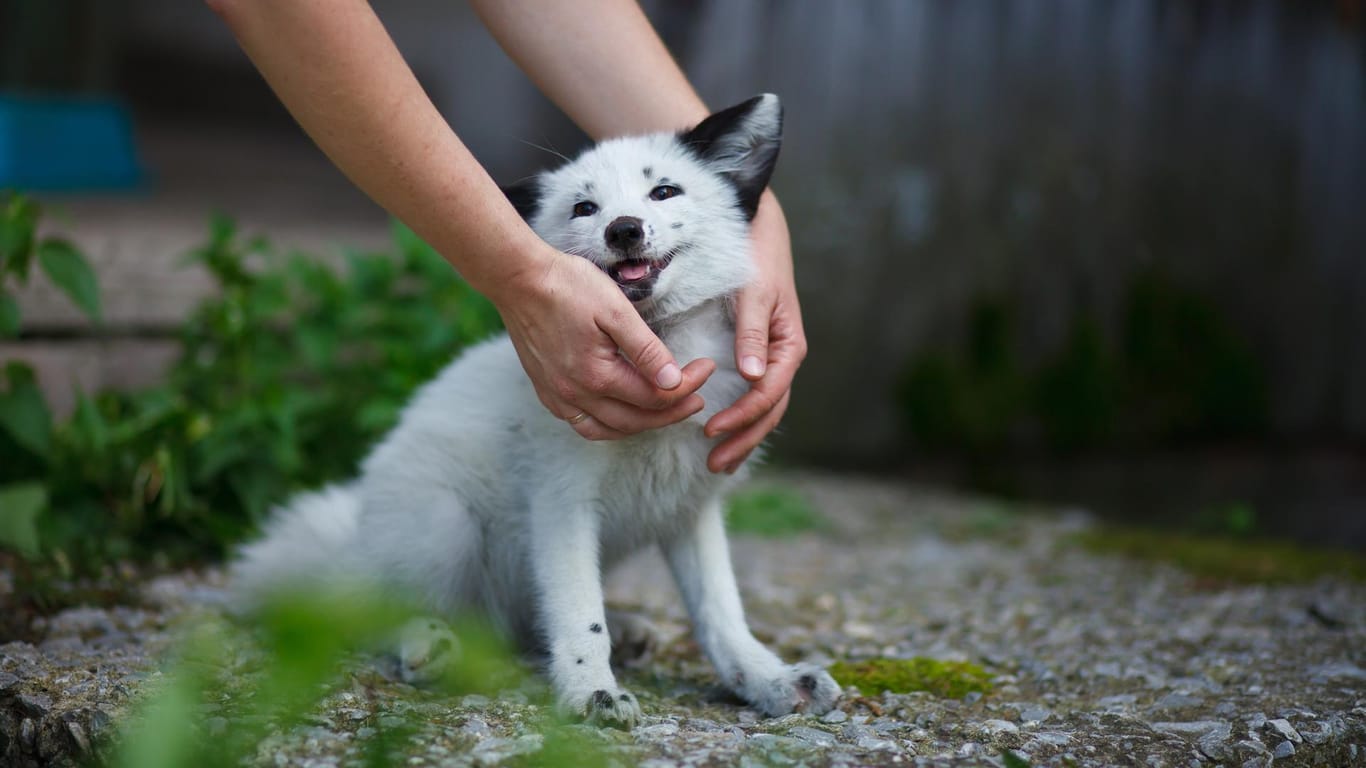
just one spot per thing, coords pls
(337, 71)
(599, 60)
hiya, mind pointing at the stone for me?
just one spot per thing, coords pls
(1283, 750)
(1282, 728)
(476, 728)
(1178, 700)
(812, 735)
(1194, 728)
(835, 716)
(1214, 742)
(657, 731)
(875, 744)
(997, 727)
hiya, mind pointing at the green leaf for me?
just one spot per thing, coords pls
(66, 267)
(1012, 760)
(18, 220)
(20, 505)
(91, 423)
(9, 316)
(24, 413)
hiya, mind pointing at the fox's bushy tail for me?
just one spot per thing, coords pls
(306, 543)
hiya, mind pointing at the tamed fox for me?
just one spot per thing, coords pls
(481, 499)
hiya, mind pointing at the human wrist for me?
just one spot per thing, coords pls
(515, 269)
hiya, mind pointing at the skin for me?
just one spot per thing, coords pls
(338, 72)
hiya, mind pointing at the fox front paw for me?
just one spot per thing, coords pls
(426, 649)
(611, 707)
(804, 688)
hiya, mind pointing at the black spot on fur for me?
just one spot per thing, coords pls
(595, 627)
(525, 196)
(602, 700)
(676, 225)
(441, 646)
(807, 683)
(578, 661)
(625, 697)
(648, 171)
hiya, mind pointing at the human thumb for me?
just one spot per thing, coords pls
(644, 349)
(752, 318)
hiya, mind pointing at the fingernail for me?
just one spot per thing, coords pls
(669, 376)
(730, 469)
(752, 366)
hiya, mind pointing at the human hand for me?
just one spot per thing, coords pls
(769, 343)
(567, 321)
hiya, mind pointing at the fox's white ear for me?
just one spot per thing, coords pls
(741, 143)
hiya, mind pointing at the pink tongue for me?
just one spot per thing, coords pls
(633, 271)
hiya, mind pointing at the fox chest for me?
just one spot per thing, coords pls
(656, 488)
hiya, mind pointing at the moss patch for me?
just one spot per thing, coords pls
(947, 679)
(773, 512)
(1223, 559)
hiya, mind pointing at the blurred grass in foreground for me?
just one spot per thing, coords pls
(271, 678)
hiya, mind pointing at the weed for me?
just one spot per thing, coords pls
(948, 679)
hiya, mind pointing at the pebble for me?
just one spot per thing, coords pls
(998, 727)
(1282, 728)
(812, 735)
(835, 716)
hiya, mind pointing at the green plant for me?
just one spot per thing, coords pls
(772, 512)
(284, 379)
(270, 680)
(1223, 559)
(26, 432)
(948, 679)
(1174, 371)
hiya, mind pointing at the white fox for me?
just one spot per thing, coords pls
(481, 499)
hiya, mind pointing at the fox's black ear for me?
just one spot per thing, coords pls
(525, 196)
(741, 143)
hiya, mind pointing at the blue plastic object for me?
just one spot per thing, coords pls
(66, 144)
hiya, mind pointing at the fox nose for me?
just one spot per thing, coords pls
(624, 233)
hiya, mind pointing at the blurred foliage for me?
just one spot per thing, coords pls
(272, 679)
(1175, 372)
(948, 679)
(283, 381)
(1223, 559)
(773, 512)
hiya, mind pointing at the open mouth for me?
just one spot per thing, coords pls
(634, 271)
(637, 276)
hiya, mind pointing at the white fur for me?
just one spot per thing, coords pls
(481, 498)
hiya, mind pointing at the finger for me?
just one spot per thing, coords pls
(625, 384)
(760, 399)
(591, 429)
(630, 420)
(753, 315)
(732, 451)
(642, 347)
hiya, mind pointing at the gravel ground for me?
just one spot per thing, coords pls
(1096, 661)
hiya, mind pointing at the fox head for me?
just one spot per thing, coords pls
(665, 215)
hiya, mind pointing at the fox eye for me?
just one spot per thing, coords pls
(664, 192)
(585, 208)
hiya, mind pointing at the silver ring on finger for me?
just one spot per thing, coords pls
(576, 419)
